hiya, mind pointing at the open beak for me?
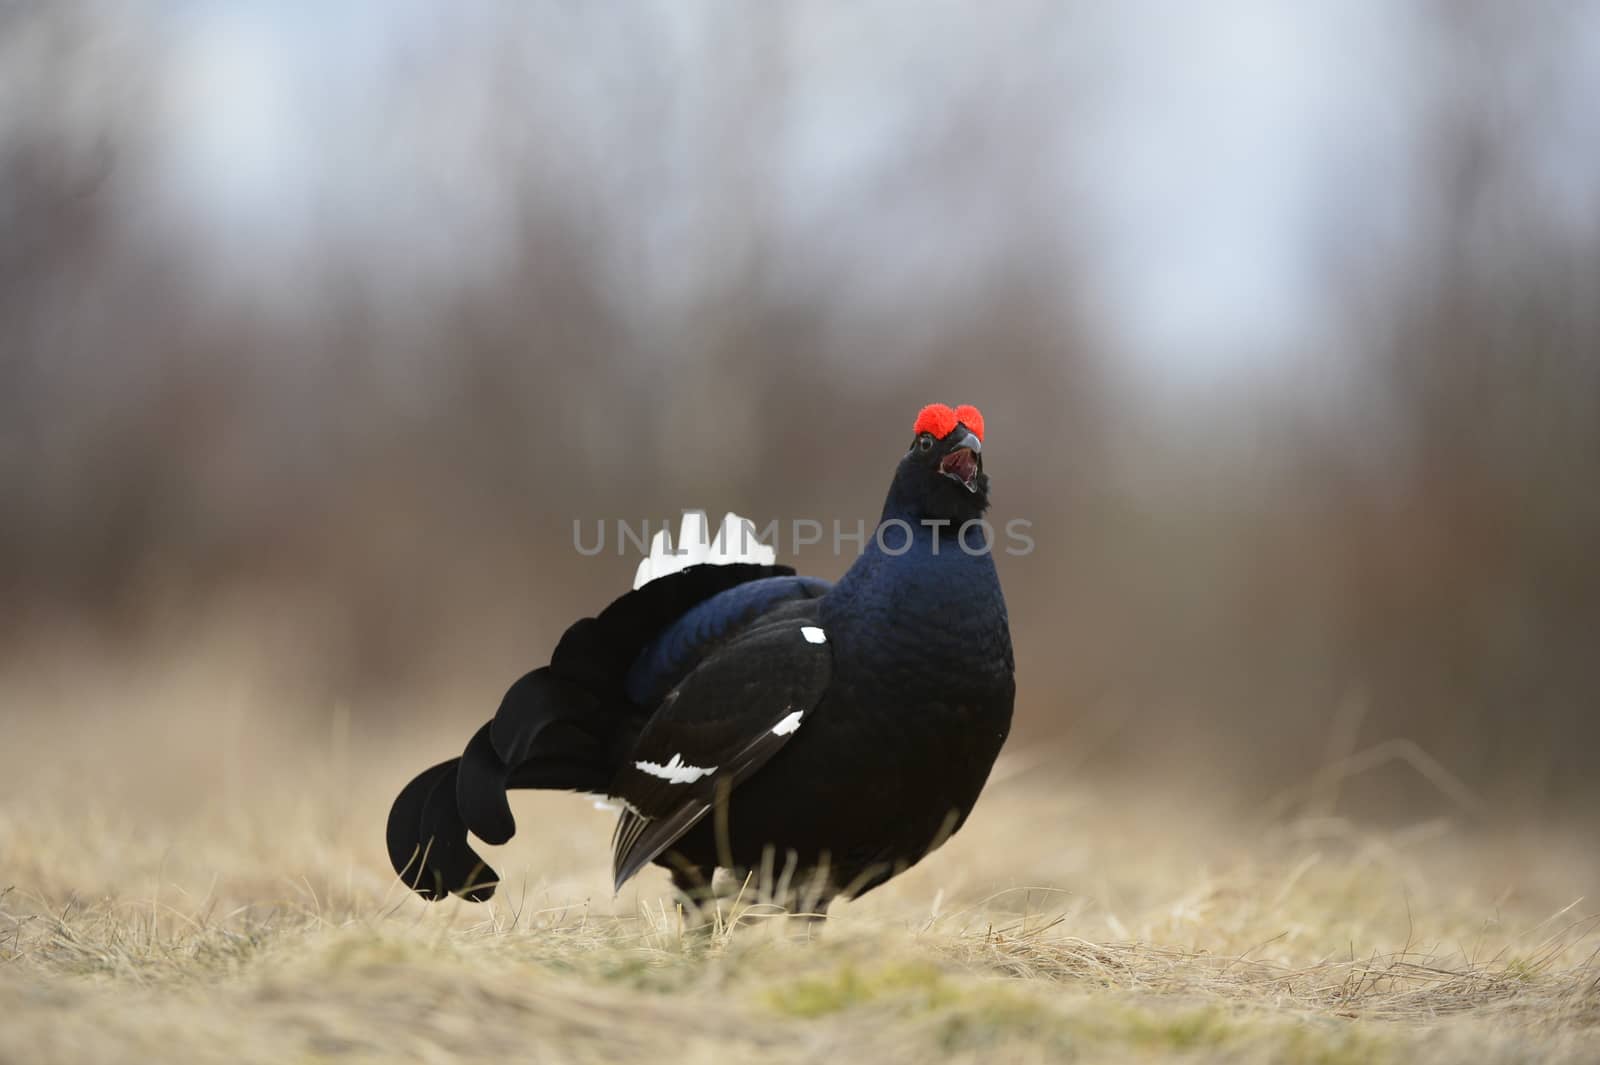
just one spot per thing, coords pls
(962, 463)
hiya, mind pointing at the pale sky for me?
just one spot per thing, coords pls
(1187, 159)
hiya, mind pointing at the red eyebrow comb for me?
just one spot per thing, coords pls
(940, 420)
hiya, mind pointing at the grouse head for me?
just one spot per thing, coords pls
(941, 476)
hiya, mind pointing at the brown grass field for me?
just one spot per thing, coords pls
(190, 875)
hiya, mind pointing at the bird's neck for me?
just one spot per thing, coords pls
(921, 592)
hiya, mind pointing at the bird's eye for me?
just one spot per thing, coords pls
(924, 442)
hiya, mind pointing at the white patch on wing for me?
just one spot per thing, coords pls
(676, 771)
(788, 724)
(735, 542)
(813, 634)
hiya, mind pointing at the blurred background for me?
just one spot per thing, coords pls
(321, 324)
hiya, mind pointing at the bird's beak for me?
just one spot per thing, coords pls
(961, 463)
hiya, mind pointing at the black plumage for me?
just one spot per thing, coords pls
(748, 718)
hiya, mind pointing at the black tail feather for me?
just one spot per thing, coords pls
(481, 782)
(428, 840)
(532, 703)
(428, 823)
(559, 727)
(459, 867)
(564, 759)
(552, 727)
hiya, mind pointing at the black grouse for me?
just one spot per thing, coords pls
(754, 720)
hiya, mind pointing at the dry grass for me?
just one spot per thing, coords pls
(204, 886)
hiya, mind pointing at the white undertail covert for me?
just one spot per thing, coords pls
(735, 541)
